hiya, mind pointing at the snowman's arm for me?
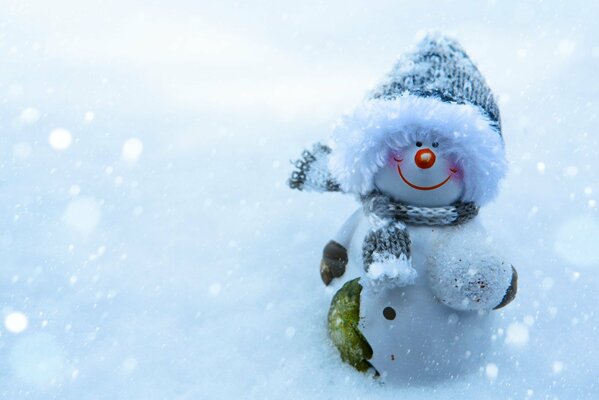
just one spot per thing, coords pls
(386, 257)
(346, 232)
(312, 172)
(334, 254)
(467, 273)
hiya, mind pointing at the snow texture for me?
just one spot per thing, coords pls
(313, 171)
(388, 273)
(195, 275)
(465, 272)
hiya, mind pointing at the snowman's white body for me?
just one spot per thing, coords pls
(443, 318)
(427, 340)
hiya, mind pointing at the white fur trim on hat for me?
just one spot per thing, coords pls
(363, 140)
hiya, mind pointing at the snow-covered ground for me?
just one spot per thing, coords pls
(150, 248)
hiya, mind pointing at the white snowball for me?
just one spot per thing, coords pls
(576, 240)
(290, 332)
(572, 170)
(83, 214)
(541, 167)
(15, 322)
(492, 371)
(88, 117)
(132, 149)
(558, 366)
(455, 267)
(517, 334)
(214, 289)
(453, 319)
(29, 116)
(60, 139)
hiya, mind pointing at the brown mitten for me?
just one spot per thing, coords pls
(334, 260)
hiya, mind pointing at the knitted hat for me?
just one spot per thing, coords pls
(435, 91)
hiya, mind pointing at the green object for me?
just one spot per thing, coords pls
(344, 316)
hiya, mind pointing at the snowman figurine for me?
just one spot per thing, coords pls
(416, 276)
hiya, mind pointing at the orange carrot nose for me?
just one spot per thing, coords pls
(425, 158)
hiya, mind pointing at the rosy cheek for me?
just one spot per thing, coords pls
(456, 172)
(395, 159)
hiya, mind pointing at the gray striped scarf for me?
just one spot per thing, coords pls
(389, 238)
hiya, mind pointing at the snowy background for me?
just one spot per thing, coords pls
(150, 248)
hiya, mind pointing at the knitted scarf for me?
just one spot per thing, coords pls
(387, 246)
(388, 241)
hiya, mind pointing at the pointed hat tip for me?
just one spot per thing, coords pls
(436, 38)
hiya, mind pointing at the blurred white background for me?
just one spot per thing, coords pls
(150, 248)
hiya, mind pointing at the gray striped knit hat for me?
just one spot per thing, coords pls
(437, 91)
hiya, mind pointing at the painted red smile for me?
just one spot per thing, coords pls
(438, 185)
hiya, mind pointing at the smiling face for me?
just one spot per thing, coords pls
(421, 175)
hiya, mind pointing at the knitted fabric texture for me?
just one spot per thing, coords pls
(388, 240)
(440, 68)
(312, 172)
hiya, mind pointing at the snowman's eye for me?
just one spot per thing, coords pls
(389, 313)
(418, 144)
(435, 144)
